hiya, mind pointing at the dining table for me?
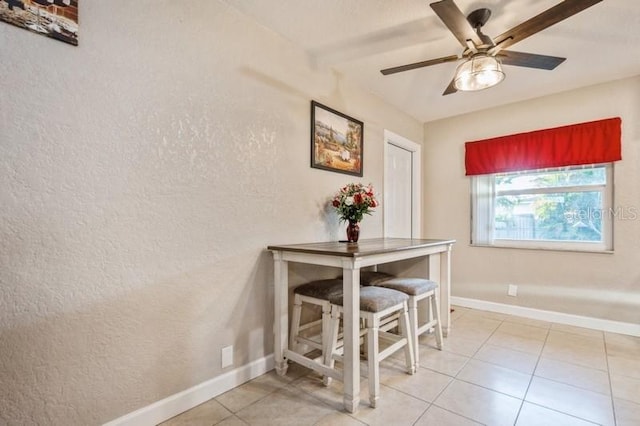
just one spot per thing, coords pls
(351, 257)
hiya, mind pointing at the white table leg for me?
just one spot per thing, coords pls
(445, 292)
(351, 329)
(440, 272)
(280, 311)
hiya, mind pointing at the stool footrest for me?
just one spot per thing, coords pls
(309, 325)
(391, 349)
(313, 341)
(426, 327)
(313, 364)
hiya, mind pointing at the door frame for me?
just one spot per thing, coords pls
(391, 138)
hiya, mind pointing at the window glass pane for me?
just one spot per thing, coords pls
(561, 216)
(553, 178)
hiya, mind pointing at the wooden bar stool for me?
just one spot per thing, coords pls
(314, 293)
(419, 289)
(375, 304)
(305, 337)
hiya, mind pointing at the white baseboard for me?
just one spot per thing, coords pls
(180, 402)
(550, 316)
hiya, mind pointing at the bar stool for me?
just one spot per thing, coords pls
(375, 304)
(419, 289)
(318, 293)
(313, 293)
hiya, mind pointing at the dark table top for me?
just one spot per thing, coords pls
(365, 247)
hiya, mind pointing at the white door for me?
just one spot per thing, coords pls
(402, 187)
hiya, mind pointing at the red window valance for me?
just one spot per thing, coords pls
(585, 143)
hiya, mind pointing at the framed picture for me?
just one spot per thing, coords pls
(336, 141)
(57, 19)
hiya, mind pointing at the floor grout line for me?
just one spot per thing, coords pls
(613, 404)
(524, 398)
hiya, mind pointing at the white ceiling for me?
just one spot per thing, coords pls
(358, 38)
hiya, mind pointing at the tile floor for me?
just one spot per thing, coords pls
(495, 370)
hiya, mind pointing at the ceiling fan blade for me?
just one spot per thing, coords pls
(451, 88)
(422, 64)
(549, 17)
(529, 60)
(455, 20)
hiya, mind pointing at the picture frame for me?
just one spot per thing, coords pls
(57, 19)
(336, 141)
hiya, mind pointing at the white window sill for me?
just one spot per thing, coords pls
(543, 248)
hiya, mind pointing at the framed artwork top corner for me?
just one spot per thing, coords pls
(56, 19)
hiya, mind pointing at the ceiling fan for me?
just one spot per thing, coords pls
(483, 55)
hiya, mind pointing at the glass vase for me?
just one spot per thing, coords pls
(353, 231)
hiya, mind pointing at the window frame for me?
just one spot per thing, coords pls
(483, 199)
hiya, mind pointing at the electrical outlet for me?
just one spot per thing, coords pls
(227, 356)
(513, 290)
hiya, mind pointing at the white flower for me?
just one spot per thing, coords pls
(348, 201)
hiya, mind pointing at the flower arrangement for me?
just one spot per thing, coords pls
(353, 201)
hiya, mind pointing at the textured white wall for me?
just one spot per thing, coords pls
(596, 285)
(143, 174)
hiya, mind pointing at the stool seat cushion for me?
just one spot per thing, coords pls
(320, 289)
(372, 277)
(410, 286)
(374, 299)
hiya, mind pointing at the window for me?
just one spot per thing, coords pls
(568, 208)
(550, 188)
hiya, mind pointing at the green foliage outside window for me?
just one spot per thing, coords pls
(560, 205)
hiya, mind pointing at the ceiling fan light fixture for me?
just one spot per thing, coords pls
(481, 71)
